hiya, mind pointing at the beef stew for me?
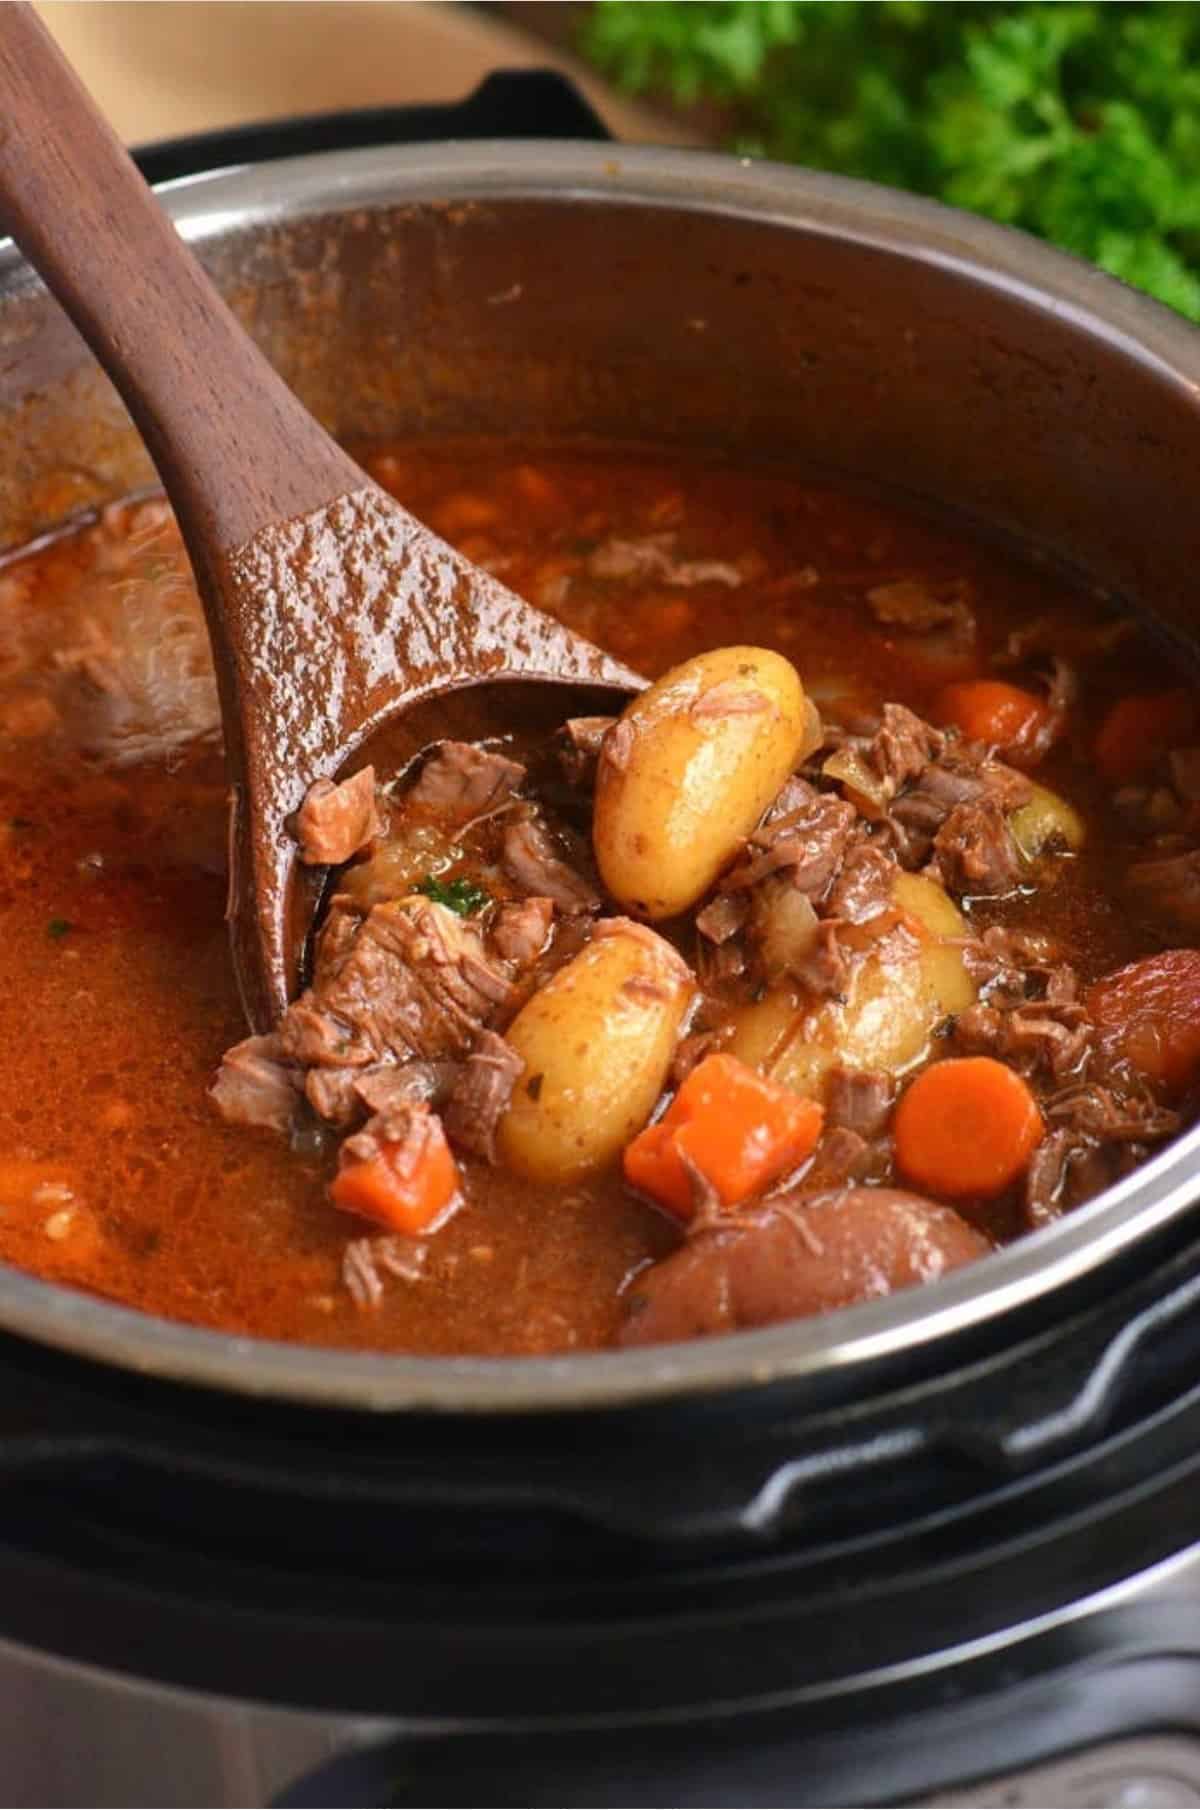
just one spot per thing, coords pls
(973, 846)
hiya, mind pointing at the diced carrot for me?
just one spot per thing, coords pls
(407, 1186)
(1139, 730)
(992, 711)
(728, 1125)
(966, 1126)
(1149, 1012)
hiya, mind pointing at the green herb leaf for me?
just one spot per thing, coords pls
(461, 895)
(1078, 121)
(58, 928)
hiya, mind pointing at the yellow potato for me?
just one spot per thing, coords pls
(597, 1042)
(895, 999)
(689, 770)
(1045, 817)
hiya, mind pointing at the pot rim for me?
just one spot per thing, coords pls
(217, 203)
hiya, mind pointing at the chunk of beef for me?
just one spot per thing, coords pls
(332, 1095)
(863, 887)
(520, 928)
(809, 840)
(415, 981)
(1166, 890)
(903, 746)
(825, 968)
(256, 1085)
(481, 1095)
(691, 1051)
(723, 917)
(530, 858)
(460, 782)
(861, 1099)
(653, 556)
(842, 1156)
(343, 921)
(915, 604)
(392, 1084)
(962, 776)
(336, 821)
(975, 851)
(803, 1253)
(579, 745)
(363, 1259)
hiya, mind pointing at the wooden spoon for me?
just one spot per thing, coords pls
(331, 610)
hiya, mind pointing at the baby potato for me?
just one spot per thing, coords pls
(689, 769)
(894, 999)
(597, 1042)
(1045, 818)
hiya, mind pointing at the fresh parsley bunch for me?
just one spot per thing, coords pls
(1077, 121)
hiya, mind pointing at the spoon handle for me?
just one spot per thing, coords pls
(77, 206)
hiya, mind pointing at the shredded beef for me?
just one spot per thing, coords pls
(903, 746)
(392, 1084)
(579, 747)
(460, 782)
(962, 776)
(1109, 1116)
(1046, 1176)
(975, 851)
(863, 888)
(363, 1259)
(914, 604)
(415, 981)
(1047, 1036)
(809, 840)
(1003, 960)
(530, 858)
(336, 821)
(1166, 889)
(332, 1095)
(859, 1099)
(255, 1085)
(520, 928)
(481, 1095)
(653, 556)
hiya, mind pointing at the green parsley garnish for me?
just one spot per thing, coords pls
(461, 895)
(1077, 121)
(58, 928)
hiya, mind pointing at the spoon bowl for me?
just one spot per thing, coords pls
(332, 611)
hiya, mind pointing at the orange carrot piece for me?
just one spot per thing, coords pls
(1149, 1012)
(1139, 730)
(992, 711)
(966, 1126)
(407, 1186)
(728, 1125)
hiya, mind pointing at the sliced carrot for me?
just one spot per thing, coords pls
(407, 1186)
(728, 1125)
(992, 711)
(966, 1126)
(1139, 730)
(1149, 1012)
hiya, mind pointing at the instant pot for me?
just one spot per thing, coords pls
(939, 1548)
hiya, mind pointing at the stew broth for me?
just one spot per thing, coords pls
(116, 994)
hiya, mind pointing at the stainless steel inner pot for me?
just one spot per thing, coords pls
(687, 300)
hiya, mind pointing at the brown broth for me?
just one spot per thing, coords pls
(116, 996)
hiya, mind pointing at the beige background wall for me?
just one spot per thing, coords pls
(161, 69)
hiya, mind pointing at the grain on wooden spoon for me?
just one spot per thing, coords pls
(332, 611)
